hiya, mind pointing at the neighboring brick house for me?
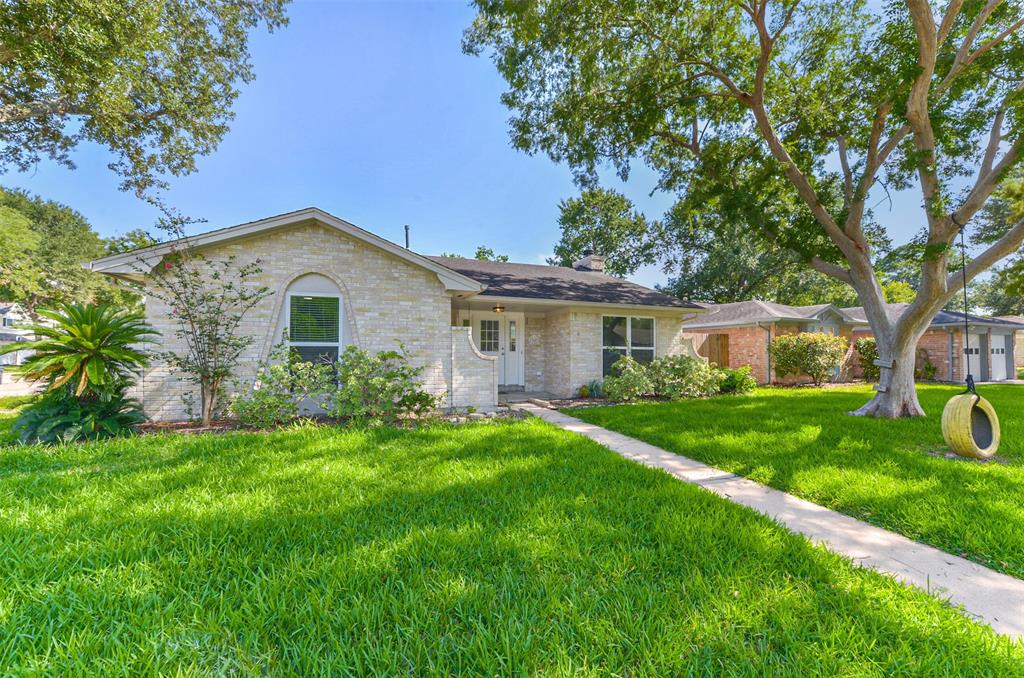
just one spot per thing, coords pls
(477, 327)
(740, 334)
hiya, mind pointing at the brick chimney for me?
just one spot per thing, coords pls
(590, 262)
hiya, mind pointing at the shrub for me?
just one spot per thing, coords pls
(815, 354)
(629, 381)
(678, 376)
(924, 368)
(92, 348)
(867, 349)
(375, 389)
(584, 391)
(60, 416)
(596, 388)
(86, 359)
(739, 381)
(281, 385)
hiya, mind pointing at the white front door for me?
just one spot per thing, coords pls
(998, 357)
(501, 335)
(974, 356)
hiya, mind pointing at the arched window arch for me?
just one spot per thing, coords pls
(313, 315)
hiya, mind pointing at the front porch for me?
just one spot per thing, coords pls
(549, 348)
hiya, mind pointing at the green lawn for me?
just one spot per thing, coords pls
(800, 440)
(486, 549)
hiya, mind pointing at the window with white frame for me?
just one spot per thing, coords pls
(314, 327)
(626, 335)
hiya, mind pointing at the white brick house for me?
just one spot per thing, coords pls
(477, 327)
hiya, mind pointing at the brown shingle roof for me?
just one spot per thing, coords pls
(560, 283)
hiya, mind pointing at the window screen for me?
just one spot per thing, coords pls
(314, 327)
(314, 319)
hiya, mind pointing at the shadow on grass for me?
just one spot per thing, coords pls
(485, 549)
(801, 441)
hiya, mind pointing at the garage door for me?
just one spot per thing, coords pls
(1000, 348)
(974, 356)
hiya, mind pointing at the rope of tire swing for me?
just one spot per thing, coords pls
(967, 336)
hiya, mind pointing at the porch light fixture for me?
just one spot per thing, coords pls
(498, 308)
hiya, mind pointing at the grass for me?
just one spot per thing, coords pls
(9, 406)
(800, 441)
(500, 548)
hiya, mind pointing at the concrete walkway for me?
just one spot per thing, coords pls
(988, 596)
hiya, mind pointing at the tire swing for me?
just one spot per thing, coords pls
(969, 422)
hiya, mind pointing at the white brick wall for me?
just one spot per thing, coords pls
(385, 300)
(572, 346)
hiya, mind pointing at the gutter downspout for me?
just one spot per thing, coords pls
(949, 337)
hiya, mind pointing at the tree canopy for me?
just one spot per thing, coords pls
(153, 81)
(794, 110)
(46, 270)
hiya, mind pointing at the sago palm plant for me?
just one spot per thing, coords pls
(92, 348)
(86, 359)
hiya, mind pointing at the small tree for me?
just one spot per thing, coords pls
(208, 299)
(812, 353)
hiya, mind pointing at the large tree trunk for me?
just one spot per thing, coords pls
(896, 396)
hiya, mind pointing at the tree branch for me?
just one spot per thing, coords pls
(1006, 245)
(952, 12)
(918, 114)
(844, 162)
(832, 270)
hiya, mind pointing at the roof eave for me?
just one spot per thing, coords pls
(137, 264)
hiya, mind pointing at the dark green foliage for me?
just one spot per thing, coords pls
(814, 354)
(152, 82)
(739, 381)
(780, 124)
(60, 239)
(867, 349)
(60, 416)
(606, 223)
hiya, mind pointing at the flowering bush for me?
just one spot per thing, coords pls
(628, 381)
(281, 386)
(376, 389)
(815, 354)
(678, 376)
(672, 377)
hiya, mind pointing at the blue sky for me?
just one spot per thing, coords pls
(372, 112)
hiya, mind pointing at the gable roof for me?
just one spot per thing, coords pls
(131, 264)
(557, 283)
(942, 318)
(755, 311)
